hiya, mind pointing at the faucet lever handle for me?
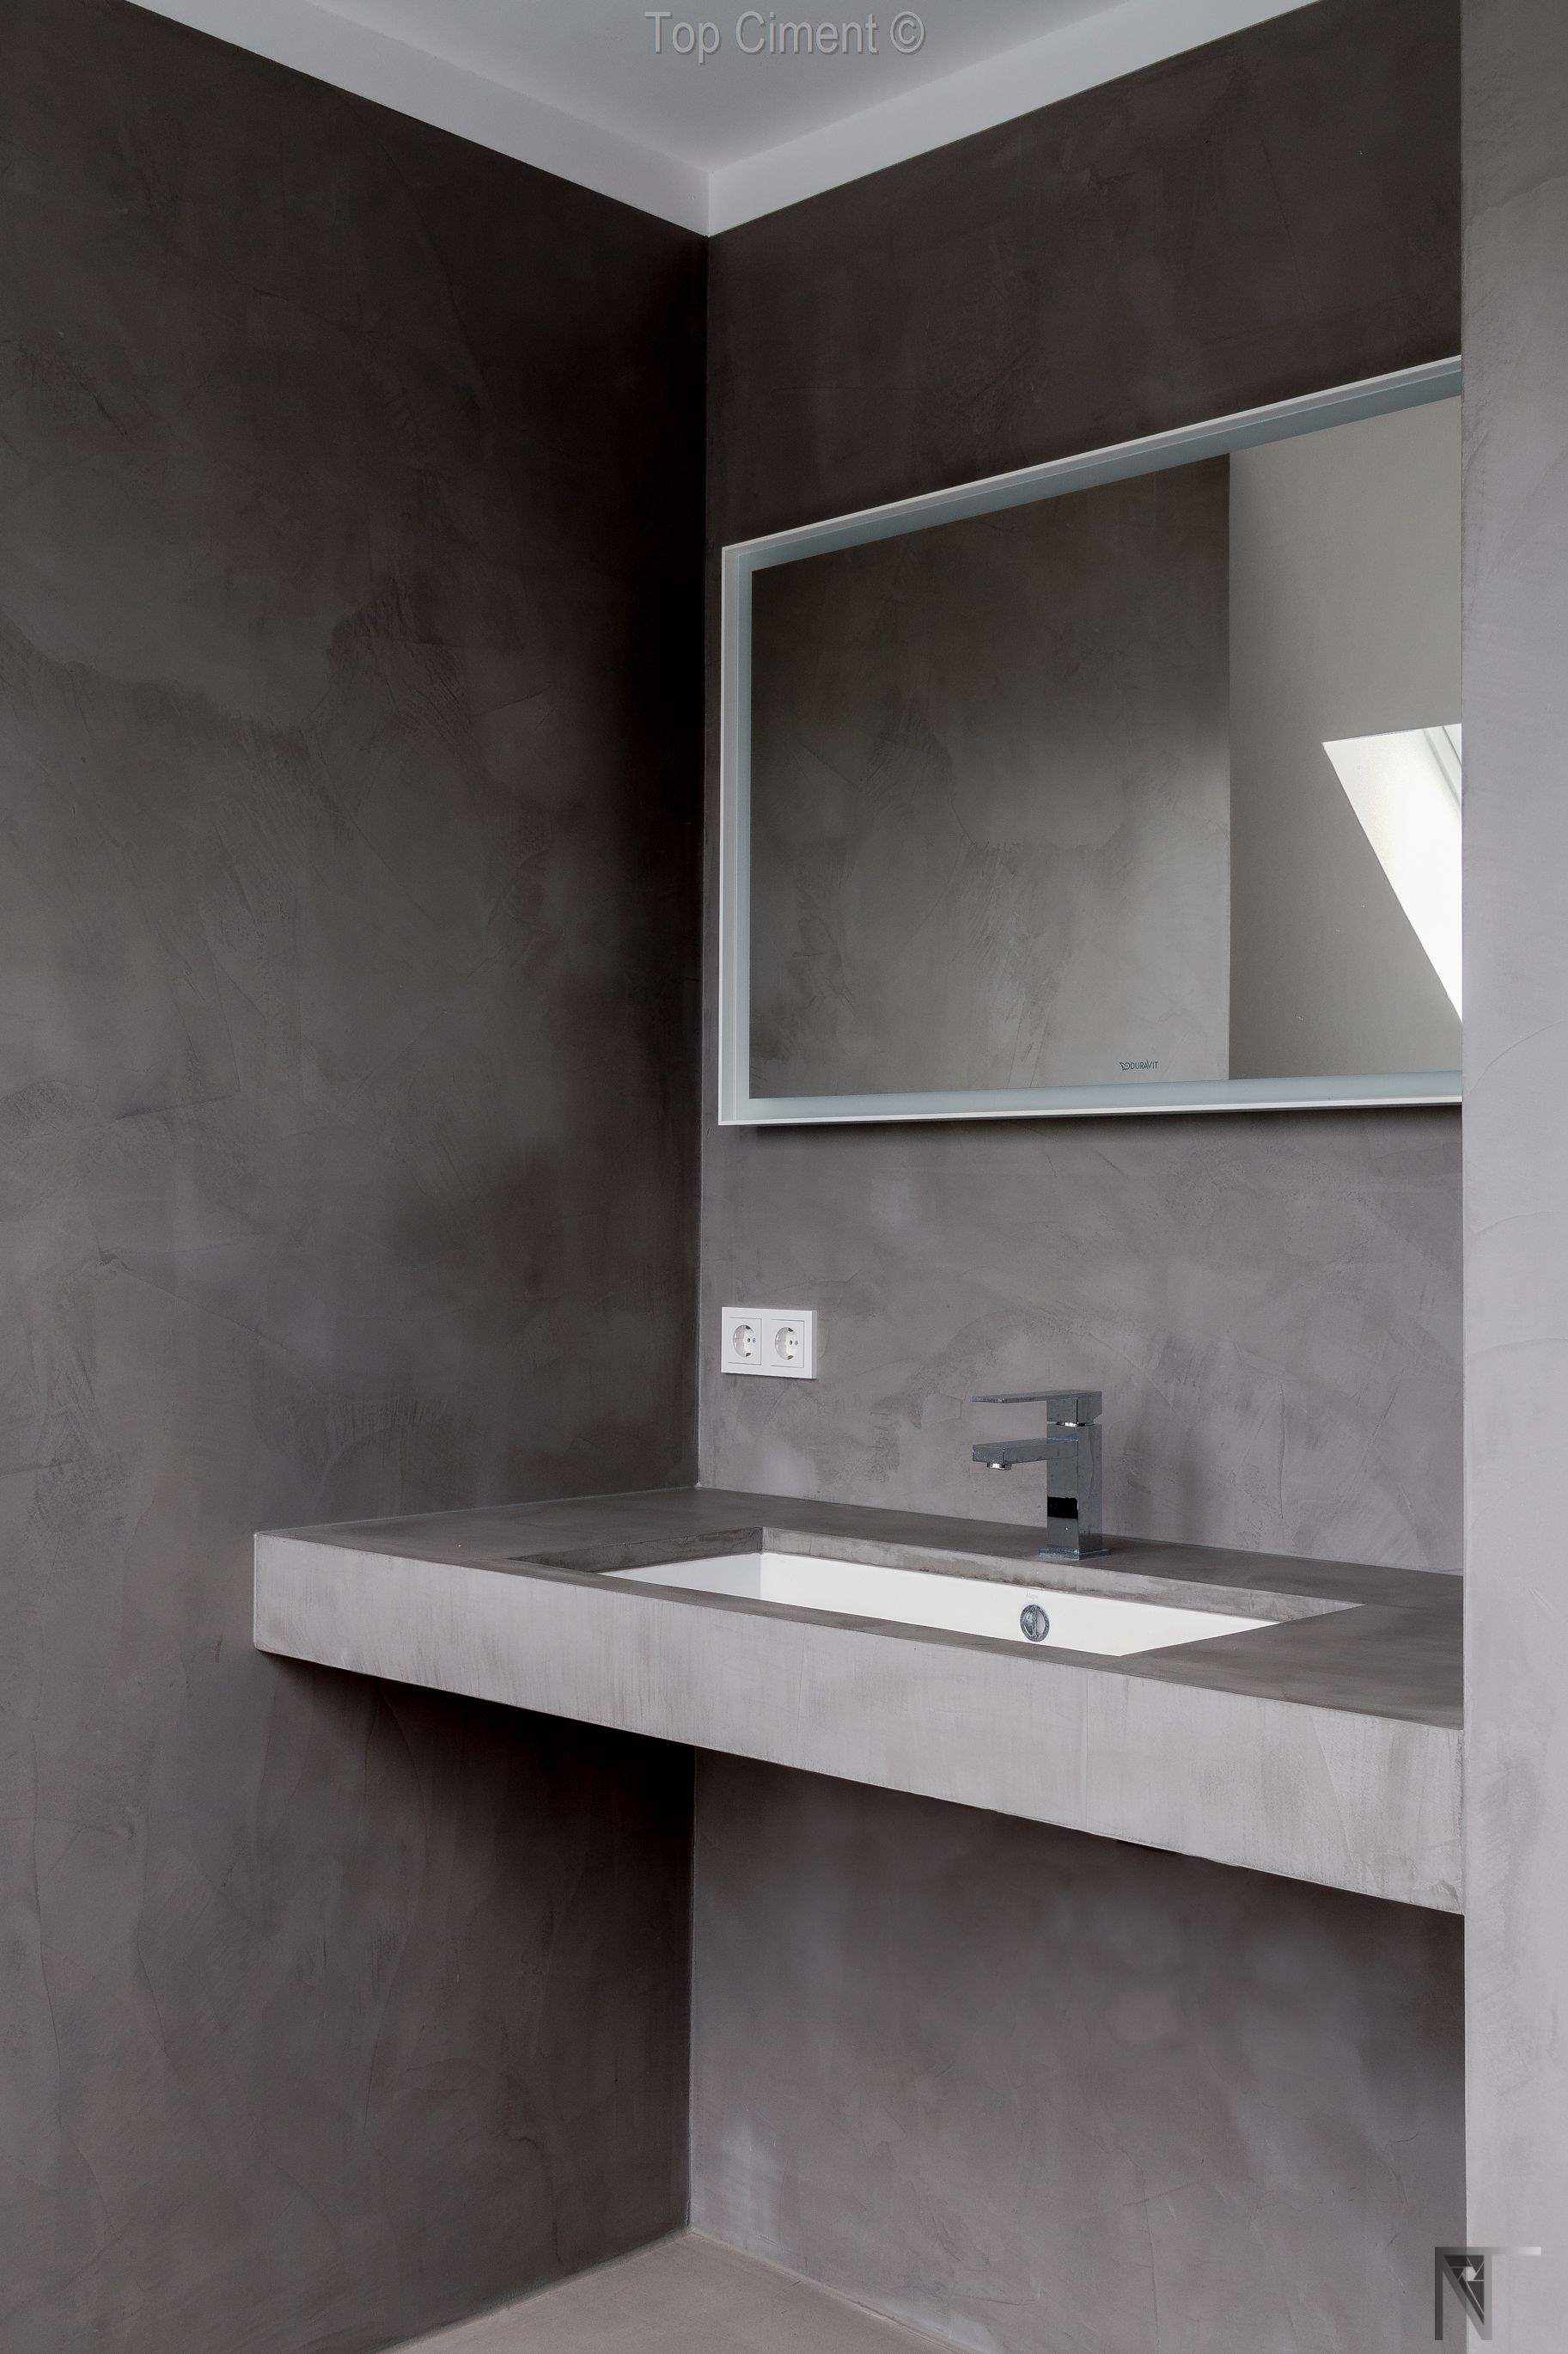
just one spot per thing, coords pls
(1076, 1406)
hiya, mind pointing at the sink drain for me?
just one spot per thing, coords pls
(1035, 1624)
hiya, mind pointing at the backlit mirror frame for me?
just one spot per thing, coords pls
(742, 559)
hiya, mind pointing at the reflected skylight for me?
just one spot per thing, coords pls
(1406, 790)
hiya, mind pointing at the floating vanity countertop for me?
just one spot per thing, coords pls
(1325, 1746)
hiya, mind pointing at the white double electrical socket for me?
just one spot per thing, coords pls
(782, 1341)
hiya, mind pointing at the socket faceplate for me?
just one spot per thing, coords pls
(779, 1342)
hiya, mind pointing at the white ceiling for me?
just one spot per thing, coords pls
(580, 88)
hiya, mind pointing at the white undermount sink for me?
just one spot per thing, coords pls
(963, 1605)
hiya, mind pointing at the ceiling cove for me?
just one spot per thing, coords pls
(710, 115)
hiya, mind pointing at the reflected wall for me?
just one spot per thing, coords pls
(1147, 773)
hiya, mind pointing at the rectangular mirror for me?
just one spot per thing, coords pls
(1126, 783)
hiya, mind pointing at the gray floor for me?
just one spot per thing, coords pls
(686, 2294)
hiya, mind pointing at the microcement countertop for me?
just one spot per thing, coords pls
(1325, 1746)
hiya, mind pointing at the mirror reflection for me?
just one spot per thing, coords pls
(1152, 781)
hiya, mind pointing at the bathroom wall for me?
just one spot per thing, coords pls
(349, 481)
(1516, 1149)
(1271, 1304)
(1032, 2091)
(1036, 2092)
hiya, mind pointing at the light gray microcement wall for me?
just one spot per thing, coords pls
(1515, 1148)
(1271, 1304)
(1046, 2094)
(348, 478)
(1038, 2091)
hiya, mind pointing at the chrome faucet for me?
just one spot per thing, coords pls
(1070, 1451)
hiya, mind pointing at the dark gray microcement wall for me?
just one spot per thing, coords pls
(1271, 1304)
(1036, 2090)
(349, 480)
